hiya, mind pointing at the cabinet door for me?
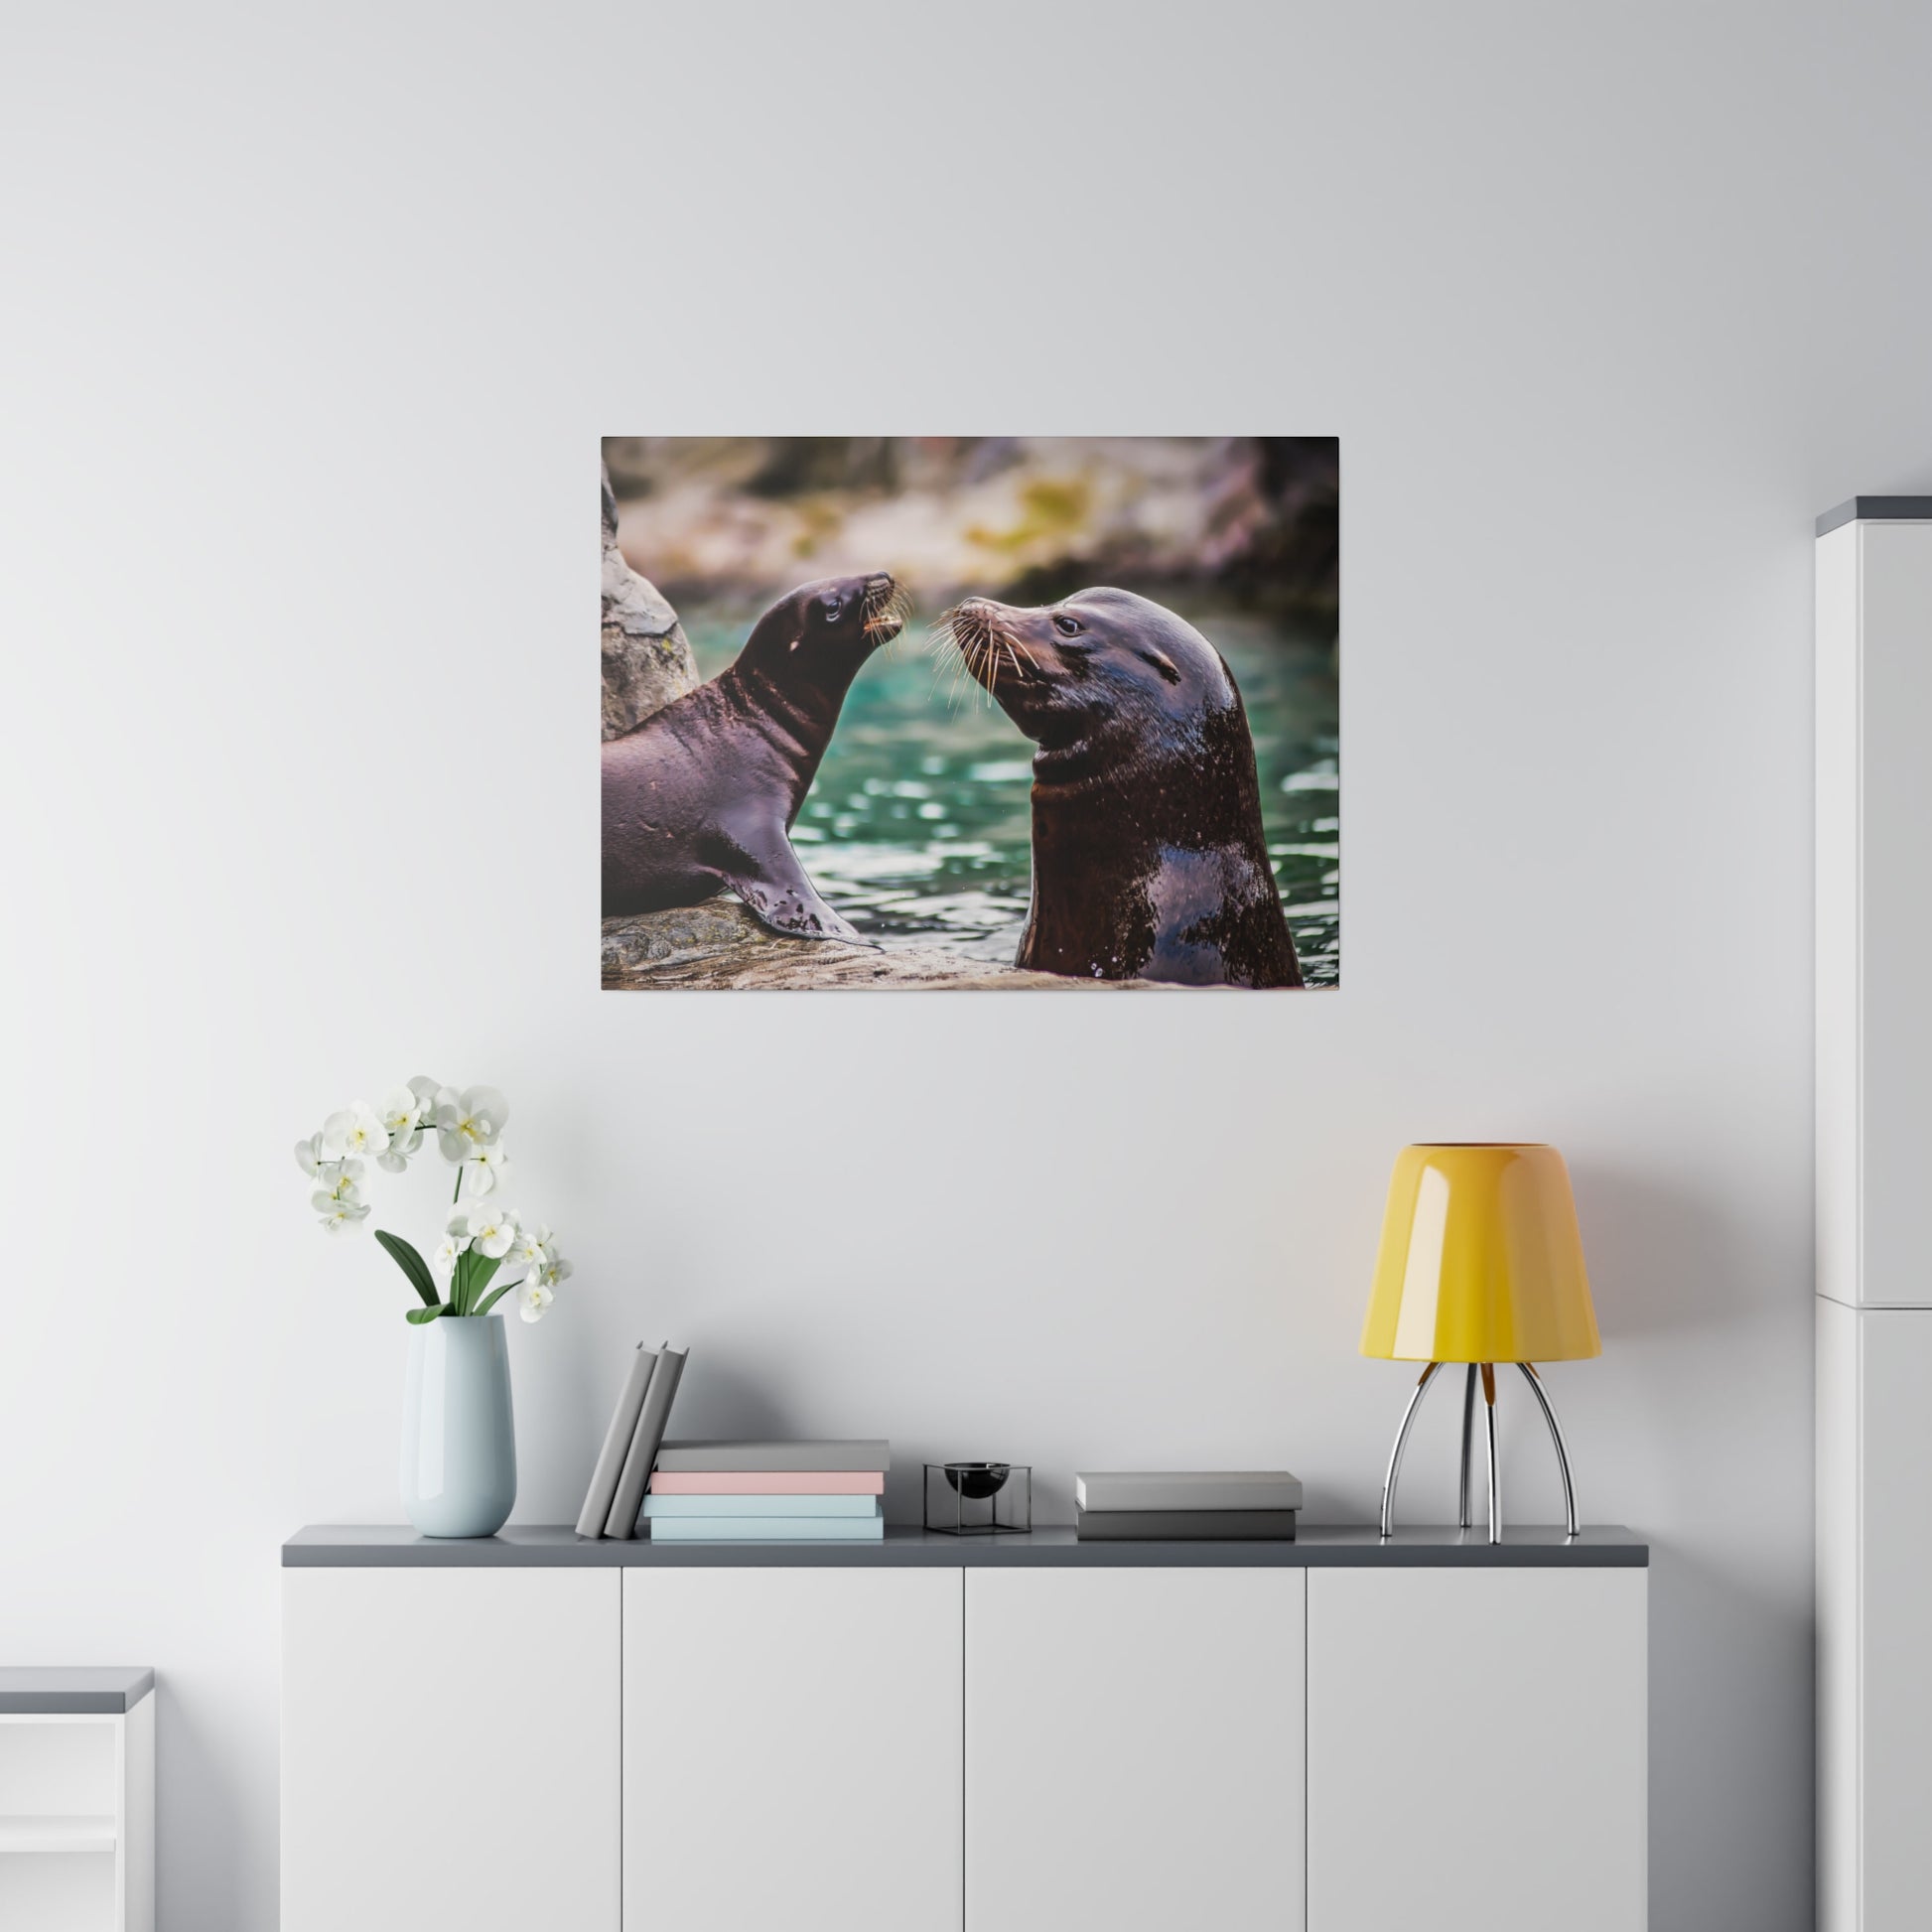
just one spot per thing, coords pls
(450, 1750)
(1134, 1749)
(1893, 902)
(791, 1751)
(1476, 1744)
(1893, 1767)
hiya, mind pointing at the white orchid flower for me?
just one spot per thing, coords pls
(531, 1301)
(308, 1156)
(400, 1113)
(340, 1180)
(468, 1121)
(532, 1246)
(554, 1270)
(357, 1130)
(491, 1233)
(340, 1214)
(487, 1170)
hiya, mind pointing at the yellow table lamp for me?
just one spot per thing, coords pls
(1481, 1263)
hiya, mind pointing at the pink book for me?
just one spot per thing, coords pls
(770, 1482)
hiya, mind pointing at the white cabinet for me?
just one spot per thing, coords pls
(937, 1735)
(1134, 1749)
(1476, 1749)
(1874, 1595)
(450, 1750)
(1875, 910)
(1873, 1178)
(76, 1817)
(791, 1751)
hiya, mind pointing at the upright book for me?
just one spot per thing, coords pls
(644, 1441)
(603, 1491)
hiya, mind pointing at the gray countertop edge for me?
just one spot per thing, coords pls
(1876, 509)
(538, 1547)
(62, 1691)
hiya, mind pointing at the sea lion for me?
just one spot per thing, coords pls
(703, 794)
(1149, 860)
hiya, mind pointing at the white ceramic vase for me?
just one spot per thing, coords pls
(459, 1438)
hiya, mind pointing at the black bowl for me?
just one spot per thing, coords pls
(978, 1481)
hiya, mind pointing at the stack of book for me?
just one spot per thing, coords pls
(1227, 1505)
(777, 1493)
(631, 1443)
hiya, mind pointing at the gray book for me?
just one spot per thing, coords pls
(616, 1444)
(644, 1440)
(1185, 1526)
(1189, 1490)
(737, 1458)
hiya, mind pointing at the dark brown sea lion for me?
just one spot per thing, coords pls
(703, 794)
(1149, 861)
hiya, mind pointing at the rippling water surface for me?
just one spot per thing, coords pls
(917, 826)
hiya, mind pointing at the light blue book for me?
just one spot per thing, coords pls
(768, 1529)
(662, 1506)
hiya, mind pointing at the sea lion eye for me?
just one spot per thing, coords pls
(1066, 626)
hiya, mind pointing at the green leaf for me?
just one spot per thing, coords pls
(412, 1265)
(420, 1315)
(496, 1294)
(484, 1267)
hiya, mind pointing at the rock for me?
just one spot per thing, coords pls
(647, 660)
(719, 944)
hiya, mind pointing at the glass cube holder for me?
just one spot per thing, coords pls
(979, 1498)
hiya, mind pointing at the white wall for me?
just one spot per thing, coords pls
(312, 324)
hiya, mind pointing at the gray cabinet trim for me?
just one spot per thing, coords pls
(1877, 509)
(1317, 1546)
(83, 1690)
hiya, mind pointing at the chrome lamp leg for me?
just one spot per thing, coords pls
(1401, 1438)
(1495, 1468)
(1463, 1517)
(1556, 1436)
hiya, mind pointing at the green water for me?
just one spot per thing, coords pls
(919, 824)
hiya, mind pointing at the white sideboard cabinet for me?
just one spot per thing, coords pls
(941, 1734)
(1874, 879)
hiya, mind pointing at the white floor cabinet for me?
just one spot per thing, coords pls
(77, 1800)
(928, 1736)
(1875, 1156)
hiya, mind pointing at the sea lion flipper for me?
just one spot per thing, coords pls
(773, 884)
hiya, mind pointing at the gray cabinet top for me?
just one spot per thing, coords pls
(1317, 1546)
(66, 1690)
(1877, 509)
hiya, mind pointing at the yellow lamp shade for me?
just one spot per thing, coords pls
(1480, 1260)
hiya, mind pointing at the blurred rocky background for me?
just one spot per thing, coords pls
(1246, 520)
